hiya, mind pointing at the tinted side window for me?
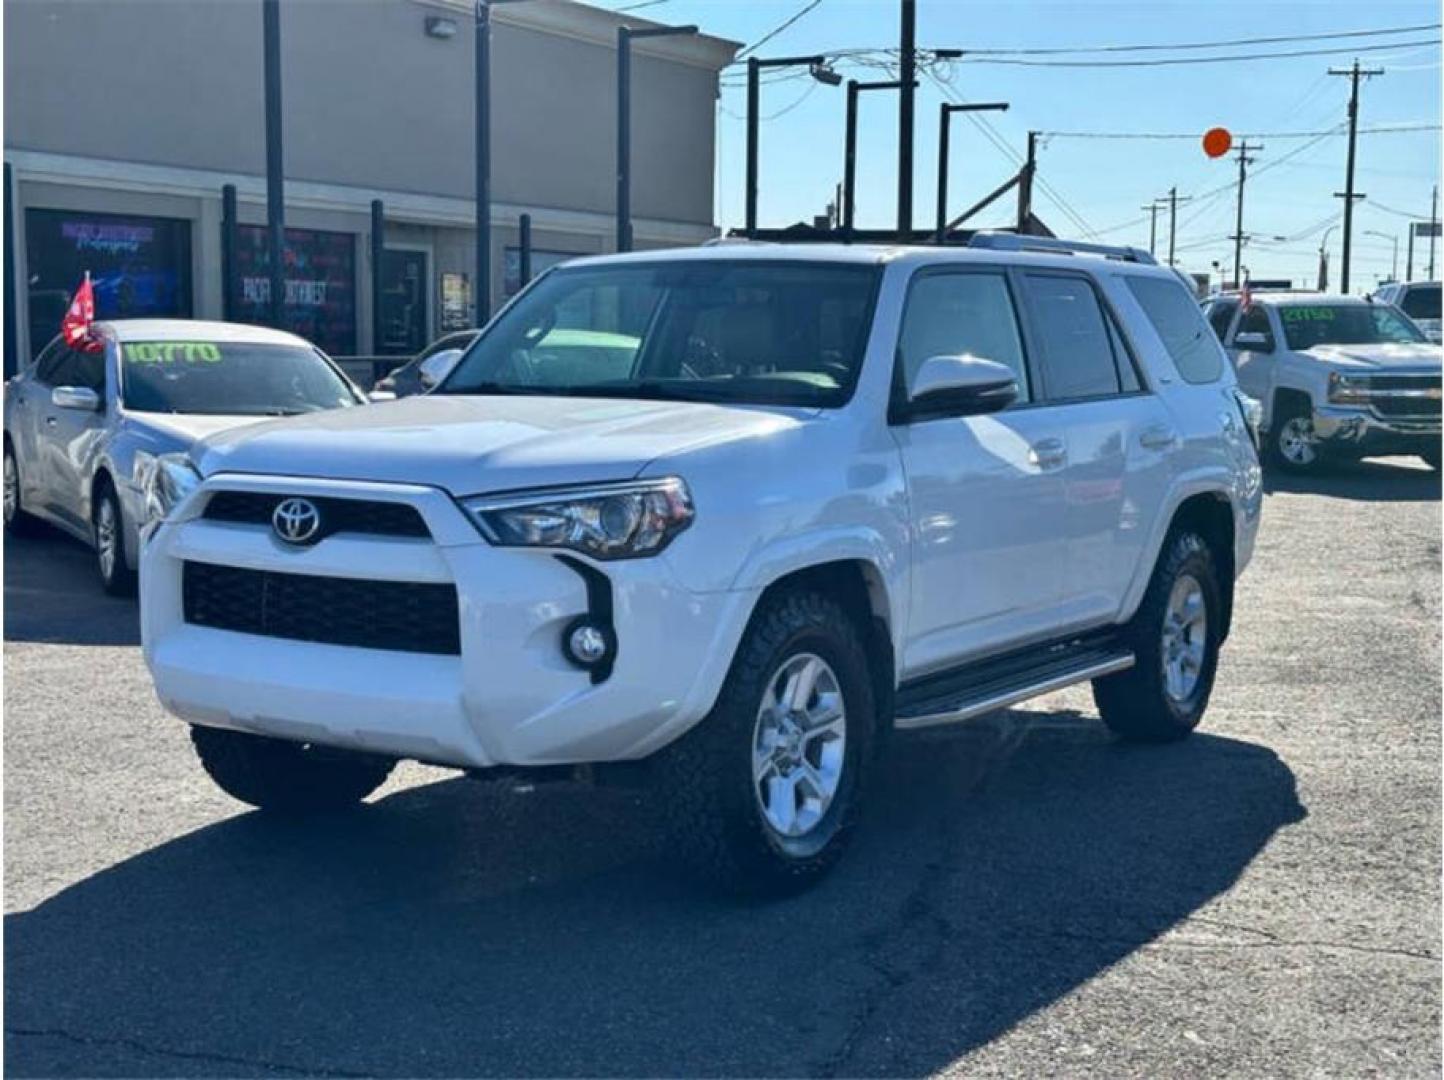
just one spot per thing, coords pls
(1220, 314)
(1256, 321)
(86, 369)
(1077, 356)
(1185, 335)
(961, 314)
(48, 366)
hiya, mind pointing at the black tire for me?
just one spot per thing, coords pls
(713, 806)
(1297, 412)
(116, 576)
(1431, 458)
(1136, 703)
(17, 521)
(287, 777)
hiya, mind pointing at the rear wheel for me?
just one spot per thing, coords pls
(17, 521)
(116, 576)
(287, 777)
(1175, 638)
(763, 794)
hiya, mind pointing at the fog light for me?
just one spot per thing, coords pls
(587, 644)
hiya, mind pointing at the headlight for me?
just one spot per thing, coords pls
(166, 480)
(1348, 389)
(609, 521)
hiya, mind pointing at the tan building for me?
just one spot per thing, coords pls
(117, 157)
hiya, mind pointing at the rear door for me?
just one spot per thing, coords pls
(1119, 438)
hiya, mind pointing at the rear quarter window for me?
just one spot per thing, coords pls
(1188, 339)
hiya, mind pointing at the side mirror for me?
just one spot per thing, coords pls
(437, 367)
(75, 397)
(960, 386)
(1253, 341)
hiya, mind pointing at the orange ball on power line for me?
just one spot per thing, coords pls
(1217, 142)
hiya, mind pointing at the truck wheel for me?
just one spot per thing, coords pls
(108, 530)
(762, 795)
(1174, 637)
(287, 777)
(17, 521)
(1292, 444)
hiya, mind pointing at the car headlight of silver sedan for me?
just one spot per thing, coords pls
(606, 521)
(166, 479)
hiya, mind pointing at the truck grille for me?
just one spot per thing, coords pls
(1405, 406)
(416, 617)
(374, 517)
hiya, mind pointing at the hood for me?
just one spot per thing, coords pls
(471, 445)
(1420, 357)
(186, 428)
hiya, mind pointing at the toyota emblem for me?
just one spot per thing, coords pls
(296, 521)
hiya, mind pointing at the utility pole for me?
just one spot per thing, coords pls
(1173, 201)
(1244, 161)
(1349, 196)
(1433, 227)
(1025, 184)
(945, 112)
(275, 183)
(907, 76)
(1152, 211)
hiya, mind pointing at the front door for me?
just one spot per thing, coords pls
(67, 438)
(986, 493)
(403, 303)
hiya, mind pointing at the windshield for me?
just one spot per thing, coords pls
(1307, 325)
(746, 332)
(228, 379)
(1421, 302)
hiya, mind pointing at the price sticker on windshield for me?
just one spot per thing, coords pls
(1307, 314)
(172, 352)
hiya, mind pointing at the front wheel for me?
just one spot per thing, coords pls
(1293, 445)
(1175, 638)
(287, 777)
(762, 795)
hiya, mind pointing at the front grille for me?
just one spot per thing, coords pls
(337, 515)
(416, 617)
(1405, 406)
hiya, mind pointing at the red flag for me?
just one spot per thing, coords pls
(75, 327)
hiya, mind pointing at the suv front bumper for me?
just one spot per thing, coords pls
(508, 696)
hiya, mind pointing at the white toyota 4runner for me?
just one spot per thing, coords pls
(724, 518)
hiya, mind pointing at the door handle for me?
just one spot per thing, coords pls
(1157, 437)
(1048, 453)
(50, 421)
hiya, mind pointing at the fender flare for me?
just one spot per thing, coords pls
(1213, 480)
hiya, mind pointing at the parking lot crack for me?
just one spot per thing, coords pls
(100, 1041)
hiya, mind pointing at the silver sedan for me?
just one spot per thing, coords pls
(87, 430)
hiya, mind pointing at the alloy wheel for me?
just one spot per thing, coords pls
(12, 488)
(799, 744)
(1296, 441)
(107, 535)
(1185, 638)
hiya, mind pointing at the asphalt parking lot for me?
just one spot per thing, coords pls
(1026, 896)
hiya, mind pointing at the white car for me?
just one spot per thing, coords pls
(1337, 377)
(725, 518)
(1417, 299)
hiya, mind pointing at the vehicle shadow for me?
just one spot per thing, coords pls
(464, 928)
(53, 594)
(1371, 480)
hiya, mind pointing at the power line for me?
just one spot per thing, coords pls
(643, 4)
(765, 38)
(1204, 44)
(1171, 61)
(1385, 129)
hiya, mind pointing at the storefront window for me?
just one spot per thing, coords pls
(320, 285)
(140, 267)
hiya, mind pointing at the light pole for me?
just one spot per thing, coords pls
(625, 35)
(945, 113)
(1393, 239)
(483, 158)
(849, 147)
(1324, 259)
(817, 66)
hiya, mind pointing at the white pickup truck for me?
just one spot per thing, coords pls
(726, 518)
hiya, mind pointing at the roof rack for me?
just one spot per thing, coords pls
(1000, 241)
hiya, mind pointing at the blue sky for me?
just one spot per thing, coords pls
(1104, 182)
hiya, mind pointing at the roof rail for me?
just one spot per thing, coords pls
(1001, 241)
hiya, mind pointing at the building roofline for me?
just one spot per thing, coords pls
(568, 18)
